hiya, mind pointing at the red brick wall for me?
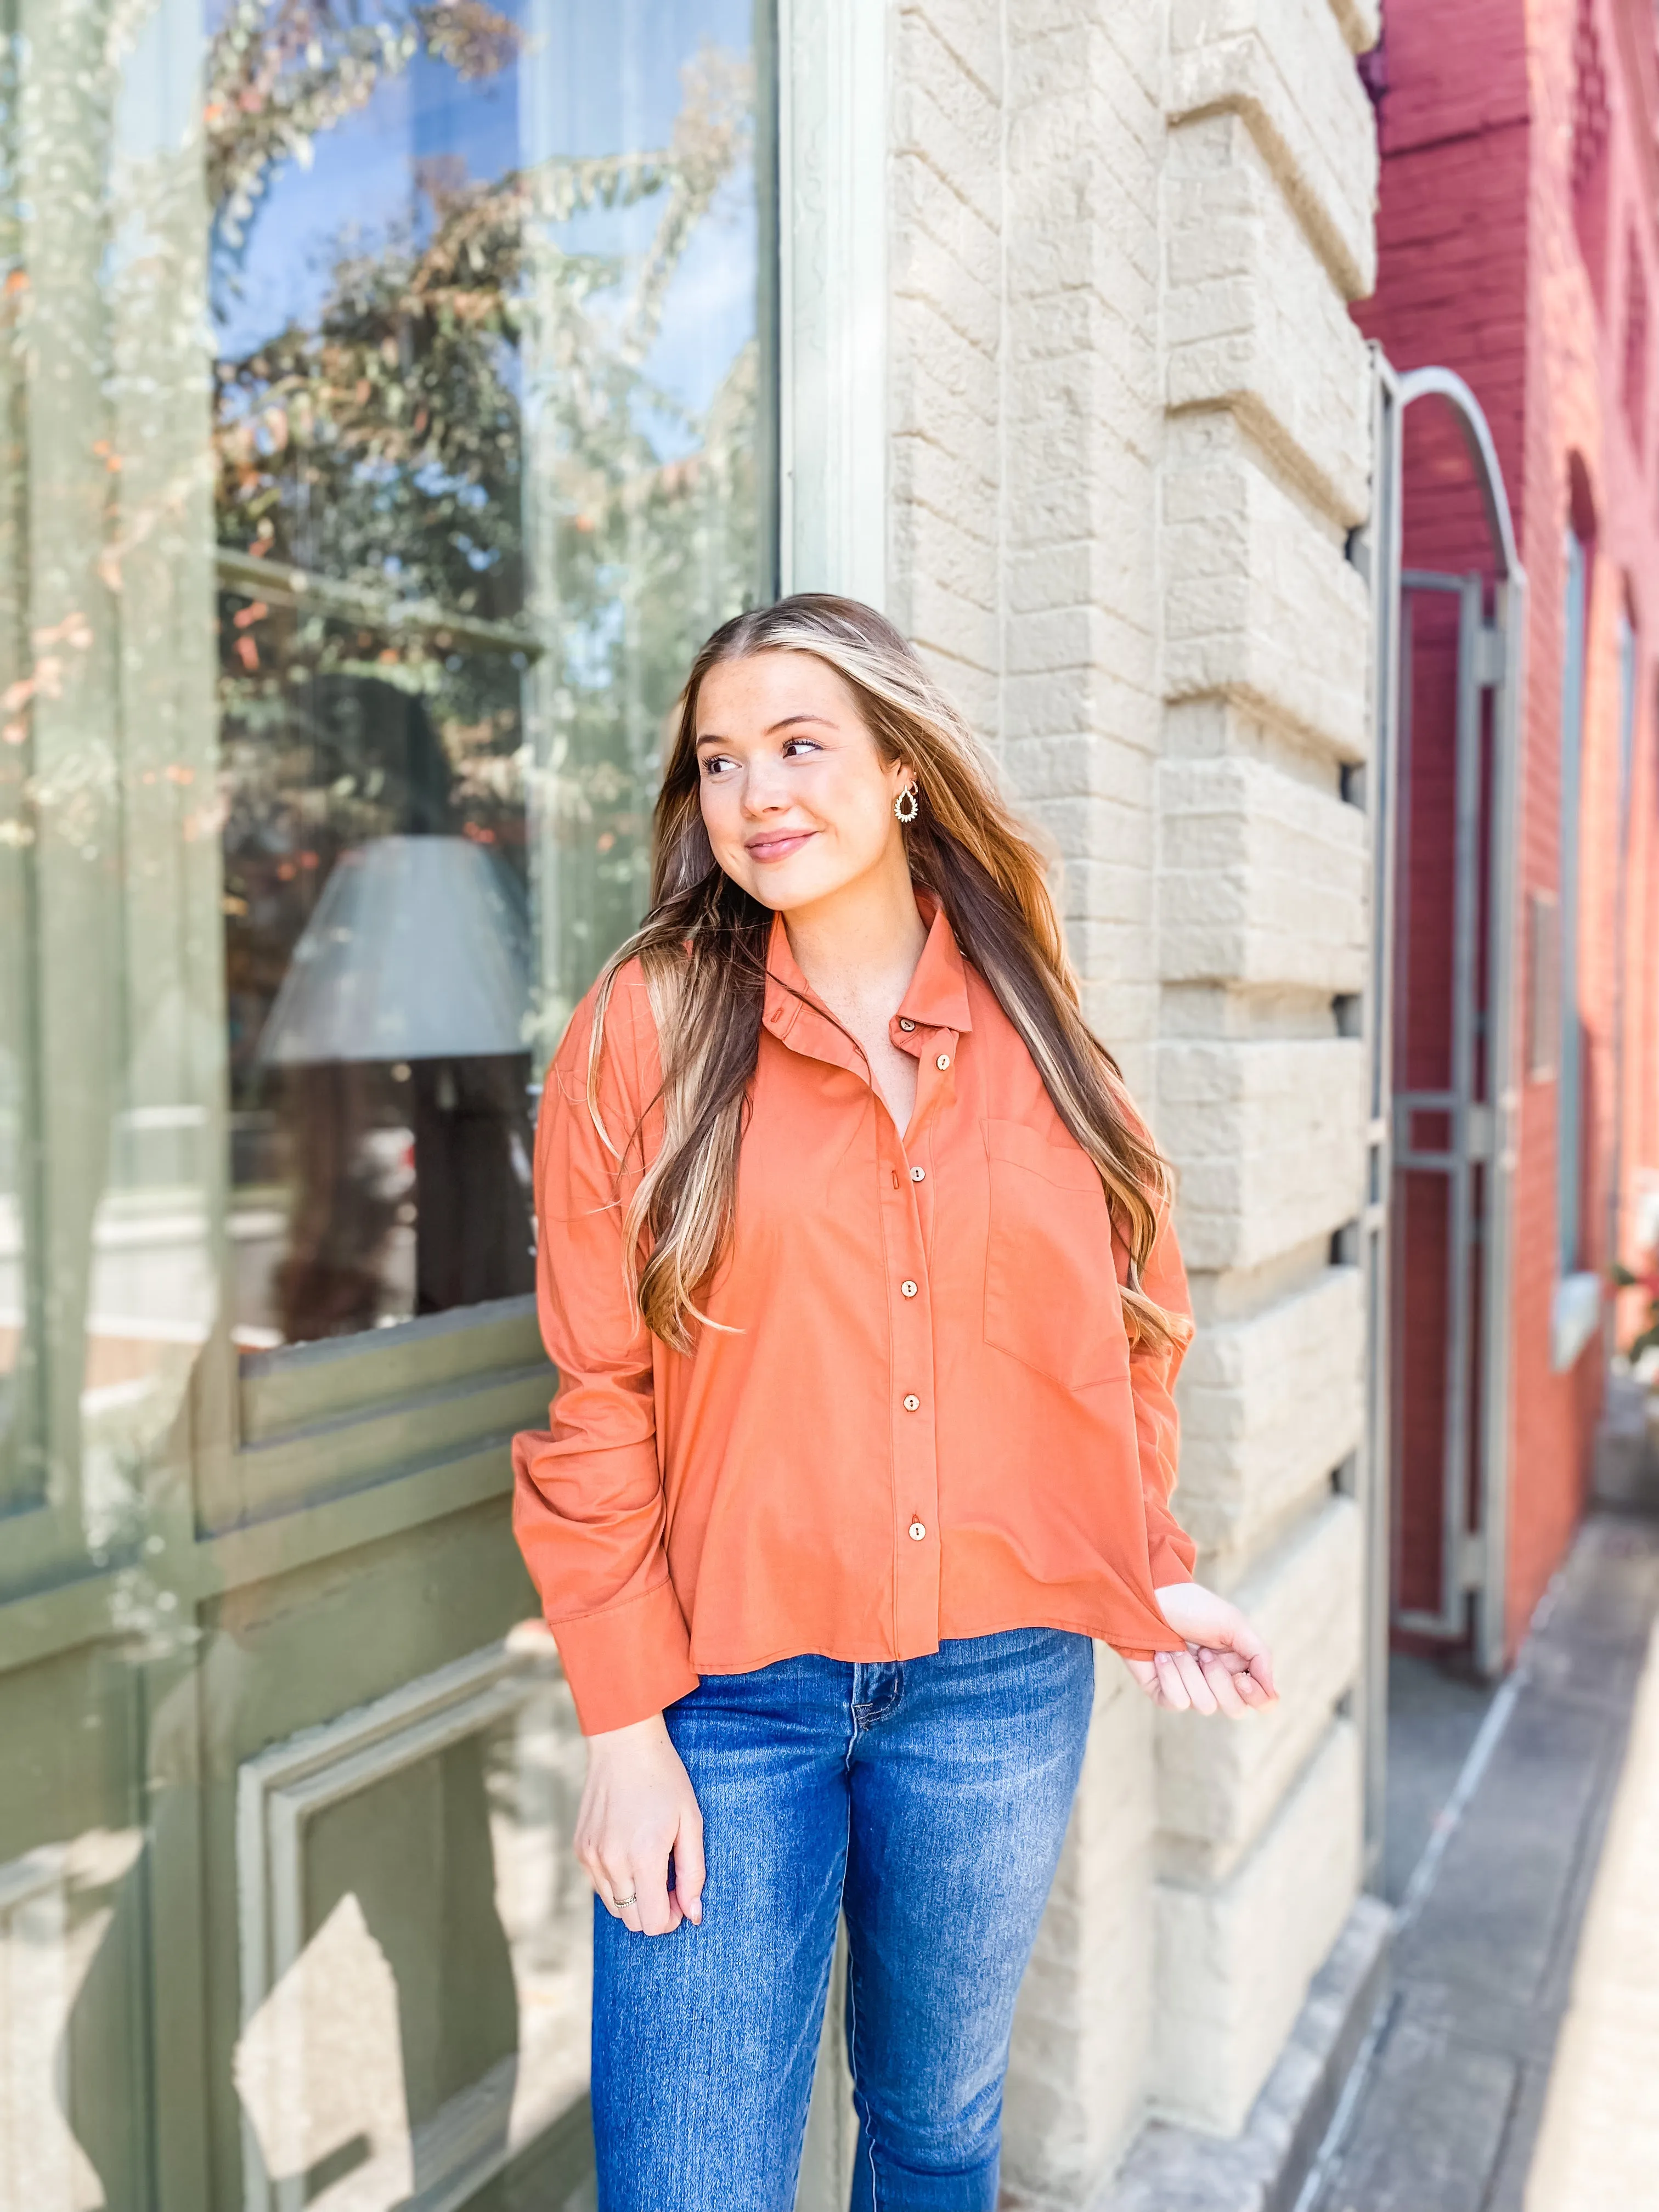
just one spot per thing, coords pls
(1482, 268)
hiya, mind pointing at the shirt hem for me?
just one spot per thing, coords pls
(1137, 1646)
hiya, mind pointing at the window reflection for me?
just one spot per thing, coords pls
(486, 410)
(433, 2020)
(336, 678)
(11, 1262)
(60, 1906)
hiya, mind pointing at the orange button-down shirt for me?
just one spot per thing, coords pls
(920, 1418)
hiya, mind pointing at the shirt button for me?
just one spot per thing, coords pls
(917, 1531)
(943, 1059)
(918, 1174)
(908, 1289)
(903, 1024)
(911, 1403)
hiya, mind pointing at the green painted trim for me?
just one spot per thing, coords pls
(309, 1467)
(320, 1529)
(173, 1875)
(552, 2172)
(305, 1384)
(49, 1621)
(37, 1545)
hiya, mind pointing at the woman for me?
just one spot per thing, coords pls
(856, 1264)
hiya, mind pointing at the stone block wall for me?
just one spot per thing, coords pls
(1129, 438)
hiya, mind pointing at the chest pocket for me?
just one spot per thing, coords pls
(1051, 1294)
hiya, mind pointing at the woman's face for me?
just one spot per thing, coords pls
(796, 798)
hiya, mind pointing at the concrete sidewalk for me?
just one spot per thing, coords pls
(1499, 2011)
(1599, 2145)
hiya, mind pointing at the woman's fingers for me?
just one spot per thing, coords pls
(613, 1880)
(639, 1828)
(1209, 1678)
(688, 1869)
(1223, 1685)
(1171, 1688)
(1250, 1648)
(1201, 1696)
(655, 1912)
(635, 1892)
(1206, 1679)
(611, 1887)
(625, 1898)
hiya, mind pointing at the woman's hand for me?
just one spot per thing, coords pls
(638, 1806)
(1225, 1667)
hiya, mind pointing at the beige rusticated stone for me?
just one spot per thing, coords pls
(1286, 67)
(946, 261)
(1260, 603)
(1068, 493)
(1218, 1787)
(943, 104)
(1082, 2029)
(1251, 320)
(1262, 879)
(970, 35)
(945, 264)
(1127, 430)
(1268, 1139)
(1270, 1405)
(1233, 1961)
(1360, 21)
(1204, 728)
(1079, 703)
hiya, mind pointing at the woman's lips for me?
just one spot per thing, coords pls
(779, 845)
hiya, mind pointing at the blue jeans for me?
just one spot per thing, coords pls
(927, 1800)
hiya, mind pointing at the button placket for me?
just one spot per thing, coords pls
(915, 1443)
(915, 1470)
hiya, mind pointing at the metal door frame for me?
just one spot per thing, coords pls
(1491, 659)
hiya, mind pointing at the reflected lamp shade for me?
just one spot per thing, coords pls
(418, 948)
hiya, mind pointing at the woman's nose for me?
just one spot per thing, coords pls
(763, 793)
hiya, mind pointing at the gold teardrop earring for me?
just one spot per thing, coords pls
(907, 805)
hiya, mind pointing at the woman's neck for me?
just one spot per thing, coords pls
(860, 947)
(859, 952)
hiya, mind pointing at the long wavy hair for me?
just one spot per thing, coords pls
(702, 949)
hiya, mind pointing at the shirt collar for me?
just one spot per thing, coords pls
(936, 997)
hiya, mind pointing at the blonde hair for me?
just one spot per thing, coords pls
(702, 950)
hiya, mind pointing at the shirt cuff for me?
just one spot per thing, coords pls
(629, 1662)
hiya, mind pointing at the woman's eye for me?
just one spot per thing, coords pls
(806, 744)
(713, 763)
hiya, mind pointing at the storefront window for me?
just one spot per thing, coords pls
(385, 405)
(488, 400)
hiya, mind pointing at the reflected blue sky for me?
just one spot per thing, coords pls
(585, 81)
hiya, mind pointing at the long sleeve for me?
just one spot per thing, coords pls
(1157, 1426)
(588, 1507)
